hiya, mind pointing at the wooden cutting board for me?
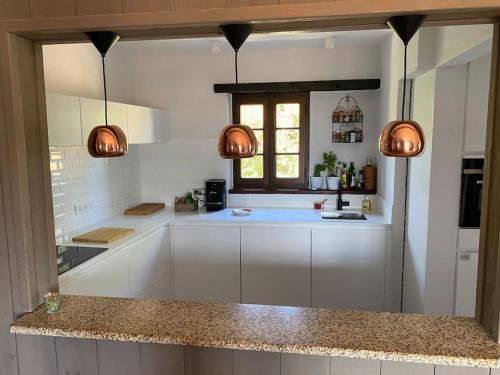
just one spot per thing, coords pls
(103, 235)
(145, 209)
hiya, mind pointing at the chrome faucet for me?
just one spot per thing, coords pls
(340, 202)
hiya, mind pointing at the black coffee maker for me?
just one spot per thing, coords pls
(215, 190)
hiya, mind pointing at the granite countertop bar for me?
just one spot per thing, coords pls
(368, 335)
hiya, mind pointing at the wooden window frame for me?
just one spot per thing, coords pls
(270, 182)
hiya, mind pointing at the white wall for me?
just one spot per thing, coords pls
(443, 107)
(87, 190)
(322, 105)
(418, 198)
(180, 77)
(455, 42)
(444, 195)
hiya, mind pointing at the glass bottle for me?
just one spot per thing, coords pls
(366, 205)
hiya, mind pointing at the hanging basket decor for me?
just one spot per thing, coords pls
(347, 121)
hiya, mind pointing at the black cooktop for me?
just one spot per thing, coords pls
(69, 257)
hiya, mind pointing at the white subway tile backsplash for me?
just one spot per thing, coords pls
(87, 190)
(176, 167)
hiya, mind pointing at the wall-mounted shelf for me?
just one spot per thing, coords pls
(301, 191)
(347, 121)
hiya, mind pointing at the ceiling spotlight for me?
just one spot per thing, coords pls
(215, 46)
(330, 42)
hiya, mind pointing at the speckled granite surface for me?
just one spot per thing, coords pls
(385, 336)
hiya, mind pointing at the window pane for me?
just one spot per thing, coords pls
(287, 141)
(252, 115)
(252, 167)
(259, 134)
(287, 166)
(288, 115)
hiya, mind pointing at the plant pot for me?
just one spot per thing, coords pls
(316, 183)
(332, 183)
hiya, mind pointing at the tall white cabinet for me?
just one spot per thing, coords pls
(207, 263)
(466, 281)
(276, 266)
(349, 268)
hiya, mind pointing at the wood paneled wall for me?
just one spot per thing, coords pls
(488, 287)
(90, 357)
(26, 224)
(23, 9)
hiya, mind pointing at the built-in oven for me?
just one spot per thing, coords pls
(472, 191)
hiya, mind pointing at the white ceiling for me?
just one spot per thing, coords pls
(270, 40)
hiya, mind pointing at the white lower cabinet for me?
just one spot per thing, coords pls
(150, 265)
(348, 268)
(206, 263)
(143, 269)
(276, 266)
(109, 278)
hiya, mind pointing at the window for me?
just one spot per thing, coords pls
(281, 124)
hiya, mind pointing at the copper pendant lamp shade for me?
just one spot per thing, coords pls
(404, 138)
(237, 141)
(105, 141)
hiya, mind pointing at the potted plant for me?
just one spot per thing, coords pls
(317, 179)
(330, 163)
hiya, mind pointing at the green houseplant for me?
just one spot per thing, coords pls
(317, 179)
(330, 162)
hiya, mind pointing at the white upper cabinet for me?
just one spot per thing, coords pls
(276, 266)
(70, 119)
(146, 125)
(93, 115)
(63, 120)
(476, 113)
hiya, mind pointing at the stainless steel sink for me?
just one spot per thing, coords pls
(339, 215)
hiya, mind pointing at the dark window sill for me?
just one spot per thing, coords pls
(300, 191)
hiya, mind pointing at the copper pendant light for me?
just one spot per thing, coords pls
(105, 141)
(404, 138)
(237, 141)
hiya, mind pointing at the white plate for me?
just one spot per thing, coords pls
(241, 212)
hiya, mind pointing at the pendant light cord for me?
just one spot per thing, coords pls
(105, 90)
(405, 217)
(404, 85)
(236, 64)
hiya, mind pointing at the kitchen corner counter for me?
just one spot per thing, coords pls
(364, 335)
